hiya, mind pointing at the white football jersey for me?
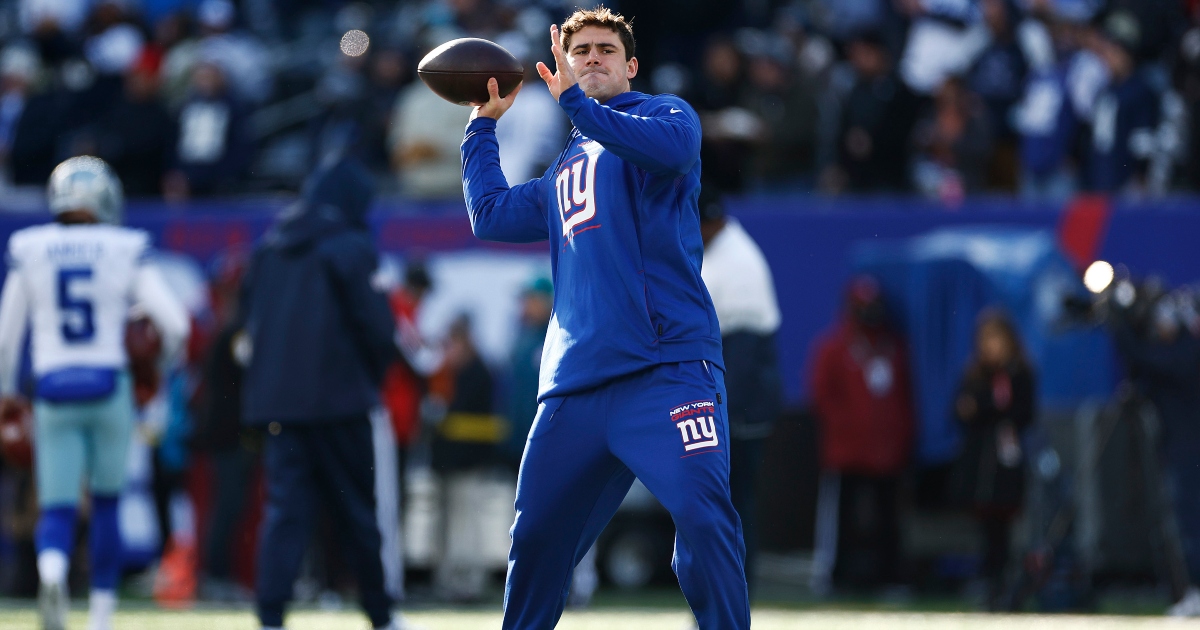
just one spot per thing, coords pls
(75, 285)
(739, 282)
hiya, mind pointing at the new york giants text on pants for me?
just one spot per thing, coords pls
(698, 432)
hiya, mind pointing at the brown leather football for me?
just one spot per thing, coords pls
(458, 70)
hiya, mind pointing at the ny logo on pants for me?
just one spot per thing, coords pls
(696, 423)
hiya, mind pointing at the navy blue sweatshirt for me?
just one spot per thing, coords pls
(321, 335)
(619, 209)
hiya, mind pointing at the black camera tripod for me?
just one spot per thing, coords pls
(1078, 521)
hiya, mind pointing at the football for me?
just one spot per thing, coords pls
(458, 70)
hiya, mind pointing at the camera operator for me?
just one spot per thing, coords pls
(1162, 354)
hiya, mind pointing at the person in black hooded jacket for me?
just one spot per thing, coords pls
(319, 338)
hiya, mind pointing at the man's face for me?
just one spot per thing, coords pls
(597, 57)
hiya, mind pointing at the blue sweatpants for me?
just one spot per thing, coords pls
(665, 426)
(327, 465)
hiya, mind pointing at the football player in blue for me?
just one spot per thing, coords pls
(631, 380)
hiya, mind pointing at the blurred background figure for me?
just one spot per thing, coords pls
(347, 113)
(953, 143)
(998, 76)
(138, 135)
(404, 385)
(388, 70)
(239, 54)
(112, 44)
(1189, 88)
(312, 382)
(19, 67)
(944, 39)
(233, 450)
(1126, 111)
(1045, 118)
(465, 451)
(1160, 349)
(166, 427)
(729, 129)
(537, 305)
(862, 392)
(875, 124)
(743, 293)
(424, 138)
(60, 18)
(212, 151)
(784, 103)
(995, 404)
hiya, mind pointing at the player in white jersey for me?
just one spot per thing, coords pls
(73, 283)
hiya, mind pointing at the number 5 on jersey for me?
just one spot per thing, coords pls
(78, 318)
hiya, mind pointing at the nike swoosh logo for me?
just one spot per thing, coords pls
(675, 111)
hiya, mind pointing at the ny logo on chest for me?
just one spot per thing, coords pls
(575, 189)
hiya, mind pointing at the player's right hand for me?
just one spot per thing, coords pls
(496, 106)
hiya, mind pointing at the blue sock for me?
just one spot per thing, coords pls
(105, 543)
(56, 529)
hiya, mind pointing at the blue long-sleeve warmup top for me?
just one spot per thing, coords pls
(619, 209)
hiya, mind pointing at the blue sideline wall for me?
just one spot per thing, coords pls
(807, 241)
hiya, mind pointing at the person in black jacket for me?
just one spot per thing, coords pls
(876, 123)
(233, 449)
(320, 337)
(995, 404)
(138, 135)
(214, 146)
(1163, 359)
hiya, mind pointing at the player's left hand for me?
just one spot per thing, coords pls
(564, 75)
(496, 106)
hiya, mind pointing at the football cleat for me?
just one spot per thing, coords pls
(52, 604)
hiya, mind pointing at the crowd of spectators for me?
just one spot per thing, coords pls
(948, 98)
(943, 98)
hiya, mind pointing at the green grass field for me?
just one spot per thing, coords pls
(24, 617)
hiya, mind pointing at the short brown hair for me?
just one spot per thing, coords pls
(603, 17)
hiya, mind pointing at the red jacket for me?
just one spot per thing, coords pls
(402, 388)
(863, 396)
